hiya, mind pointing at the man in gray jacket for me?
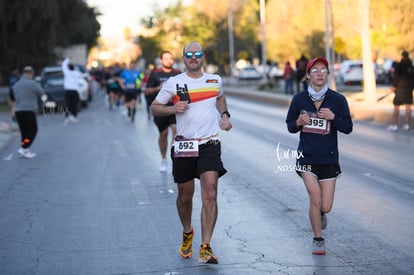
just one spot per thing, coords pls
(26, 93)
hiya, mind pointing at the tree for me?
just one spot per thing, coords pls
(292, 28)
(204, 21)
(31, 31)
(150, 48)
(392, 29)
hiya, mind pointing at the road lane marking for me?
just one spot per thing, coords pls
(9, 157)
(140, 194)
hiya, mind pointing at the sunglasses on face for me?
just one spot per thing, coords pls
(316, 70)
(197, 54)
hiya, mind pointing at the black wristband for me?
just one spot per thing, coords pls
(226, 113)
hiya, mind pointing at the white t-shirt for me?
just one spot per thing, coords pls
(201, 119)
(72, 78)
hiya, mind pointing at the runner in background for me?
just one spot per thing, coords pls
(129, 77)
(148, 98)
(154, 85)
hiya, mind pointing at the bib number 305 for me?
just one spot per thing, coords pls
(185, 148)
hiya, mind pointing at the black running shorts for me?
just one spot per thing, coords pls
(163, 122)
(209, 159)
(321, 171)
(129, 96)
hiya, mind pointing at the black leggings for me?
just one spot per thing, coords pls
(72, 100)
(28, 127)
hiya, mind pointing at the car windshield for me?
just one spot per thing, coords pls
(54, 80)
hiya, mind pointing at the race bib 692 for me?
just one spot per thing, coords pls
(185, 148)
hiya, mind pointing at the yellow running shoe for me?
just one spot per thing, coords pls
(206, 255)
(186, 250)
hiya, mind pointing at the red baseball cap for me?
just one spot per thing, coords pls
(316, 60)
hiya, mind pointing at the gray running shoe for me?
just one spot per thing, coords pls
(324, 220)
(318, 247)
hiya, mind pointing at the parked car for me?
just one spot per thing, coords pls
(51, 79)
(385, 72)
(86, 75)
(350, 72)
(249, 73)
(276, 72)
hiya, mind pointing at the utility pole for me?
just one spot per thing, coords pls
(329, 45)
(262, 23)
(231, 38)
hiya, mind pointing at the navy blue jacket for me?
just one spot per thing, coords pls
(317, 148)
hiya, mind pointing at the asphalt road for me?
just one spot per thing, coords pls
(94, 202)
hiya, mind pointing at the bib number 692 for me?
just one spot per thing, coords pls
(185, 145)
(186, 148)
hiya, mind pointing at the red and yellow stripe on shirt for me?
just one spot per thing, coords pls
(200, 94)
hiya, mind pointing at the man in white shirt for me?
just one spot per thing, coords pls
(200, 108)
(72, 78)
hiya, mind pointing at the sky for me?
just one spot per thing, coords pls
(118, 14)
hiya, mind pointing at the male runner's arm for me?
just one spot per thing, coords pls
(152, 90)
(221, 105)
(160, 109)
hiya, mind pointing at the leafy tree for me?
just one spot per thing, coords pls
(150, 48)
(31, 31)
(163, 32)
(207, 23)
(292, 28)
(316, 42)
(392, 26)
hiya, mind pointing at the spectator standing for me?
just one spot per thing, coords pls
(301, 73)
(288, 77)
(402, 86)
(318, 114)
(71, 84)
(14, 76)
(198, 102)
(26, 94)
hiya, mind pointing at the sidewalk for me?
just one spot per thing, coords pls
(378, 112)
(8, 129)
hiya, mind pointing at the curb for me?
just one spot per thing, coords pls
(259, 96)
(379, 113)
(8, 132)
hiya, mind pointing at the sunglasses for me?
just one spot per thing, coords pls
(197, 55)
(316, 70)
